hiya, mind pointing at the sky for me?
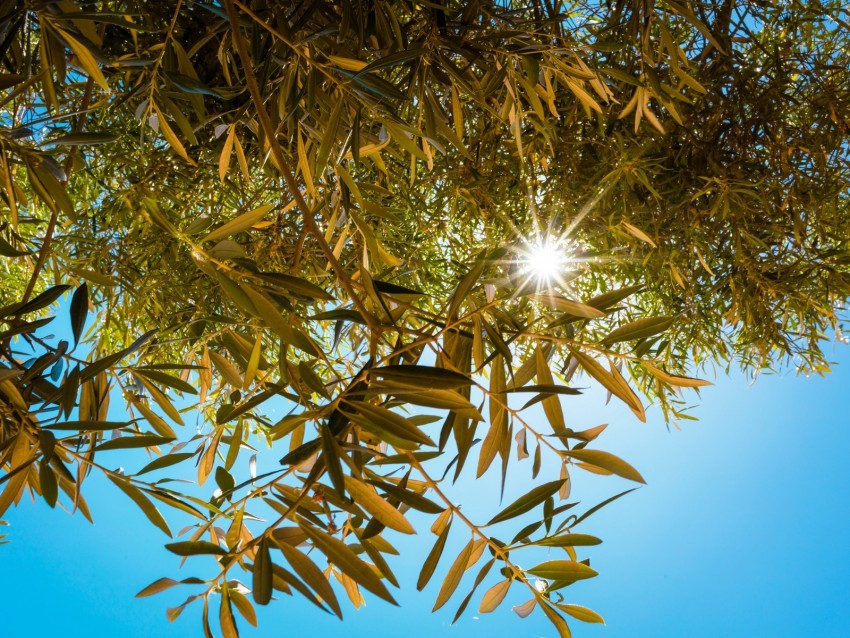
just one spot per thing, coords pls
(740, 531)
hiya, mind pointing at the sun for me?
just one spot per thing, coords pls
(545, 261)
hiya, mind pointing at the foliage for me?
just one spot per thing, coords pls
(335, 207)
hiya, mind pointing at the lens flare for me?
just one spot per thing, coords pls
(545, 262)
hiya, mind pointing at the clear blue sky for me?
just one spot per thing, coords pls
(741, 531)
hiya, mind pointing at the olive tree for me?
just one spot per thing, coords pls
(404, 224)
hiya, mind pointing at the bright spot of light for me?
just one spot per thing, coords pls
(545, 261)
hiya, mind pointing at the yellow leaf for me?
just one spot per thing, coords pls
(86, 59)
(226, 153)
(349, 64)
(637, 232)
(610, 382)
(494, 596)
(171, 137)
(366, 497)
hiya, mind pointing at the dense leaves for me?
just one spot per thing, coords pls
(336, 211)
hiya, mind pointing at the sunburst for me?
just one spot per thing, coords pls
(545, 261)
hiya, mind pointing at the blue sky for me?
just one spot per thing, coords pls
(740, 531)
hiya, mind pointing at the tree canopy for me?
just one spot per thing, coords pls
(402, 224)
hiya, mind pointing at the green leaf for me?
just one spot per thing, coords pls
(611, 383)
(453, 576)
(165, 461)
(88, 426)
(262, 574)
(527, 502)
(343, 557)
(569, 540)
(273, 318)
(195, 548)
(142, 501)
(568, 570)
(433, 558)
(7, 250)
(411, 499)
(581, 613)
(136, 441)
(568, 306)
(238, 224)
(311, 575)
(367, 498)
(386, 424)
(42, 300)
(162, 378)
(422, 376)
(83, 139)
(606, 461)
(79, 310)
(296, 285)
(639, 329)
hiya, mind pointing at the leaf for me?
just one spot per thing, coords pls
(79, 310)
(244, 606)
(599, 506)
(453, 576)
(568, 570)
(262, 574)
(366, 496)
(88, 426)
(568, 306)
(639, 329)
(343, 557)
(42, 300)
(494, 596)
(482, 574)
(130, 442)
(433, 558)
(166, 379)
(165, 461)
(311, 575)
(142, 501)
(296, 285)
(423, 376)
(48, 483)
(621, 390)
(606, 461)
(386, 424)
(225, 616)
(545, 389)
(332, 455)
(273, 318)
(83, 139)
(195, 548)
(238, 224)
(559, 623)
(411, 499)
(161, 400)
(569, 540)
(86, 59)
(7, 250)
(608, 299)
(637, 232)
(670, 379)
(525, 609)
(527, 502)
(227, 370)
(157, 586)
(581, 613)
(171, 137)
(551, 405)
